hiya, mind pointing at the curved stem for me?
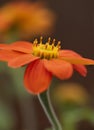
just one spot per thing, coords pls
(46, 104)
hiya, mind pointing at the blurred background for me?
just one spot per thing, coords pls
(72, 22)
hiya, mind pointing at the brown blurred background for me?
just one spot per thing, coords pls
(75, 28)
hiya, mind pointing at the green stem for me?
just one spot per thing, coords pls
(46, 104)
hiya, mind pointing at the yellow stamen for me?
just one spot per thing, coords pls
(53, 44)
(58, 44)
(49, 40)
(47, 50)
(35, 42)
(53, 41)
(41, 39)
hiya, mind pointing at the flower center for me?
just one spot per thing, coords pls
(47, 50)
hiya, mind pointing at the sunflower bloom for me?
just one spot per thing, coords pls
(43, 62)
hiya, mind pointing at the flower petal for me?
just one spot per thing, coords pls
(22, 60)
(81, 69)
(74, 58)
(3, 46)
(6, 55)
(68, 53)
(59, 68)
(78, 60)
(37, 79)
(20, 46)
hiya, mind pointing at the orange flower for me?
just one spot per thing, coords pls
(44, 61)
(25, 19)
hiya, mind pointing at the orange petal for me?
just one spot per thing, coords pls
(81, 69)
(37, 79)
(59, 68)
(3, 46)
(22, 60)
(74, 58)
(20, 46)
(6, 55)
(68, 53)
(78, 60)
